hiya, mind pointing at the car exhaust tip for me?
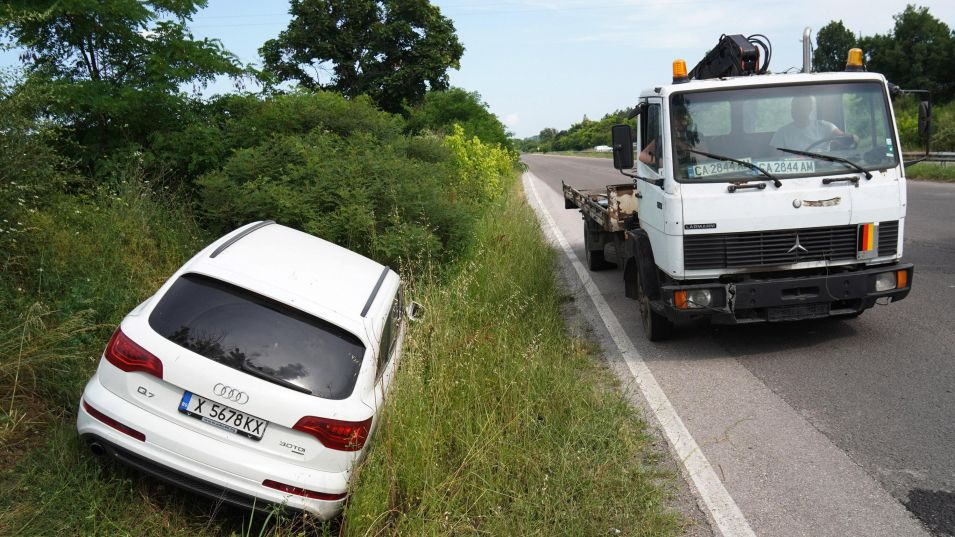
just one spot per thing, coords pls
(97, 449)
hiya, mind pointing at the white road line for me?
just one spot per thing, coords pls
(726, 514)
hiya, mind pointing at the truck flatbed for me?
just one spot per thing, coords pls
(610, 208)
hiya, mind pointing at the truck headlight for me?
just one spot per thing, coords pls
(885, 281)
(692, 298)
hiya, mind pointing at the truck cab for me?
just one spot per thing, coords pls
(758, 198)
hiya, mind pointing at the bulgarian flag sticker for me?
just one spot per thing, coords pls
(868, 240)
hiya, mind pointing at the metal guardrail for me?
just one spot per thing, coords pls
(935, 156)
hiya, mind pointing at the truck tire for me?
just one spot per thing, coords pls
(596, 261)
(595, 253)
(655, 326)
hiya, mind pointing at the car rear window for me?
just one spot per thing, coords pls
(265, 338)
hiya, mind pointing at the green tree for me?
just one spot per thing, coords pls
(113, 68)
(919, 53)
(441, 110)
(392, 50)
(832, 47)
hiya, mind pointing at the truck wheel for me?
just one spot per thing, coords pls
(595, 254)
(597, 261)
(655, 326)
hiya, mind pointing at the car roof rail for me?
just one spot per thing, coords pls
(238, 237)
(374, 292)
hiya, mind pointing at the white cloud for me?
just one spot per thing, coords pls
(511, 120)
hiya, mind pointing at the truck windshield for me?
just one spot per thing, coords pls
(849, 120)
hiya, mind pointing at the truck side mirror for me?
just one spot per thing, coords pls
(925, 119)
(622, 137)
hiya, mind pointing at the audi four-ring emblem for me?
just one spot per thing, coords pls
(230, 393)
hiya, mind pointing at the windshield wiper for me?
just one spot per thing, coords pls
(272, 378)
(776, 182)
(830, 158)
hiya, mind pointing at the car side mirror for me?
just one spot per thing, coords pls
(414, 311)
(622, 136)
(925, 119)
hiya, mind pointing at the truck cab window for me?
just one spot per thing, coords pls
(651, 138)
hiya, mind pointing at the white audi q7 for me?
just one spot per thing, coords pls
(255, 374)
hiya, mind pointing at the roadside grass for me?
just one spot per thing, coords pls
(73, 266)
(930, 171)
(499, 422)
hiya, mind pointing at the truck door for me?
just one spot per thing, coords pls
(651, 164)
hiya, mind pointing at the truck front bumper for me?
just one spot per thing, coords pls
(790, 298)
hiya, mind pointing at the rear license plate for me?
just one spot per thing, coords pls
(222, 416)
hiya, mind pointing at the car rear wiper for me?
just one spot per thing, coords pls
(776, 182)
(830, 158)
(272, 378)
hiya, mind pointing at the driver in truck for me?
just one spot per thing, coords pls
(686, 137)
(805, 132)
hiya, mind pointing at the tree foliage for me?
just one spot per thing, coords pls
(113, 69)
(919, 53)
(580, 136)
(441, 110)
(832, 47)
(392, 50)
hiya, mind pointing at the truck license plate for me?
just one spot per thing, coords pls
(222, 416)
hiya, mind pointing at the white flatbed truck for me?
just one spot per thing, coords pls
(726, 221)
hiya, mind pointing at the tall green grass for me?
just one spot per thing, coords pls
(73, 265)
(499, 422)
(931, 171)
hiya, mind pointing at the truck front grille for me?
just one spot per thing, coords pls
(888, 238)
(778, 247)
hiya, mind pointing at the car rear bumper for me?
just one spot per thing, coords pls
(789, 298)
(240, 484)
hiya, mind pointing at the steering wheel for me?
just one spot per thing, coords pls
(846, 141)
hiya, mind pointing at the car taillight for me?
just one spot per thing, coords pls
(336, 434)
(113, 423)
(298, 491)
(125, 354)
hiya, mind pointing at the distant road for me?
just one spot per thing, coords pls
(819, 427)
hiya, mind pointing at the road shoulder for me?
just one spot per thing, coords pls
(787, 477)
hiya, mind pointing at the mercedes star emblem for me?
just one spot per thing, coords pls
(797, 247)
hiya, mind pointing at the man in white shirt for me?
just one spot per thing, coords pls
(804, 131)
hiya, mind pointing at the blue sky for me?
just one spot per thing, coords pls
(547, 63)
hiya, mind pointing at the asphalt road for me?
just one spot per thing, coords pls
(816, 427)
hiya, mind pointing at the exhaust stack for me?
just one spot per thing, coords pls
(807, 50)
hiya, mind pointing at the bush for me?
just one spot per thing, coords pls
(442, 110)
(340, 170)
(943, 125)
(480, 167)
